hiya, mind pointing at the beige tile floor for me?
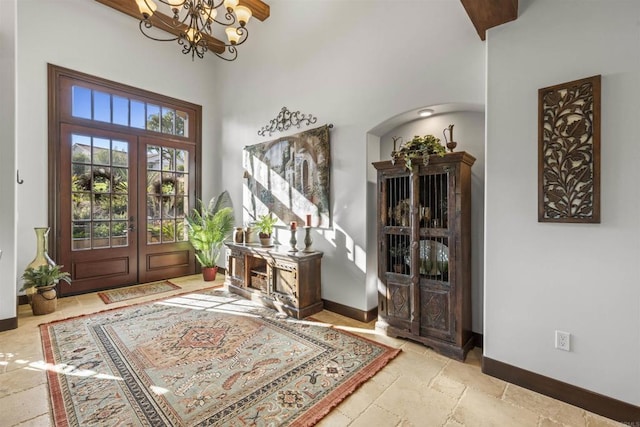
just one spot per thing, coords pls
(417, 388)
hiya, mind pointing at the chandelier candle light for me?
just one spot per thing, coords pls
(194, 23)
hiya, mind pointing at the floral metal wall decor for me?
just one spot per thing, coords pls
(569, 152)
(289, 176)
(285, 119)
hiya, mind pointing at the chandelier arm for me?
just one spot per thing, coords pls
(168, 22)
(214, 5)
(196, 49)
(146, 24)
(176, 10)
(194, 22)
(189, 13)
(230, 19)
(243, 33)
(204, 23)
(232, 50)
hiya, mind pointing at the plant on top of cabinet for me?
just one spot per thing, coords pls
(418, 147)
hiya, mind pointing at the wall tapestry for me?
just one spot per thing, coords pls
(569, 152)
(289, 176)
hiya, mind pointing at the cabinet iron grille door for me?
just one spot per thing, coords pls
(395, 246)
(435, 252)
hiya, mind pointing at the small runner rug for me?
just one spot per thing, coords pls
(208, 358)
(130, 292)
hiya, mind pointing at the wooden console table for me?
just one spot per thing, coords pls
(287, 281)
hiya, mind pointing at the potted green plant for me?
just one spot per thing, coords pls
(418, 147)
(40, 283)
(265, 225)
(207, 228)
(398, 254)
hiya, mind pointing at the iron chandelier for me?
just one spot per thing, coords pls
(194, 23)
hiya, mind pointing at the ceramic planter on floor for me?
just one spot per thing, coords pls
(209, 273)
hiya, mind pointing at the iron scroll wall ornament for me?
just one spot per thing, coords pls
(569, 152)
(285, 119)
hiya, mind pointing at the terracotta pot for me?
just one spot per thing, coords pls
(266, 241)
(209, 273)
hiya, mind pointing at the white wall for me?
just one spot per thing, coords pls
(468, 132)
(579, 278)
(7, 160)
(314, 56)
(92, 38)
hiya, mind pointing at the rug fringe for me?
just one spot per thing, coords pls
(337, 396)
(55, 393)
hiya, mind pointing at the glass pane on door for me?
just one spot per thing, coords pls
(167, 194)
(99, 192)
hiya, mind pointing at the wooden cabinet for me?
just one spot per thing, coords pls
(424, 258)
(289, 282)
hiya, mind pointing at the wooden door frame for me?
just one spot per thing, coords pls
(57, 115)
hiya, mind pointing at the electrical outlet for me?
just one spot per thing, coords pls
(563, 341)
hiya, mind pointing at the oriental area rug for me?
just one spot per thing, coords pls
(130, 292)
(207, 358)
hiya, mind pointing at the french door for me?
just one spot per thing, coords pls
(123, 176)
(124, 200)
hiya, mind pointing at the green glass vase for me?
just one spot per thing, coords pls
(42, 257)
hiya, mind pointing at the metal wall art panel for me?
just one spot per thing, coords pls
(289, 177)
(569, 152)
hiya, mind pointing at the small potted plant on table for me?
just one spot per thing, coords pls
(40, 284)
(265, 225)
(207, 229)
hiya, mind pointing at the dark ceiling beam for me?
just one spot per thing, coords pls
(486, 14)
(259, 9)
